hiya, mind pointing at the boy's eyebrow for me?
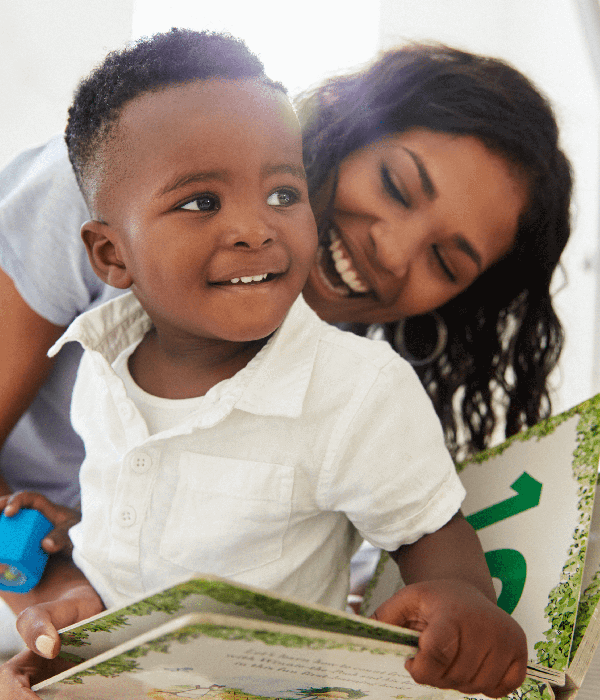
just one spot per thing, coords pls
(203, 176)
(289, 168)
(190, 178)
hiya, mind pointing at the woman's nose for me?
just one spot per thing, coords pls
(394, 249)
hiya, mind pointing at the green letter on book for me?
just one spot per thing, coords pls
(528, 496)
(510, 567)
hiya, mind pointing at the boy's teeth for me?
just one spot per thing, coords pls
(246, 280)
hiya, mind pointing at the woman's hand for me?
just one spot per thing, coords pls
(38, 624)
(467, 643)
(61, 517)
(24, 670)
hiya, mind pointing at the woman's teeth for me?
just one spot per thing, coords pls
(247, 280)
(343, 265)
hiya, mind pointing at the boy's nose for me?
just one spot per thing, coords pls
(249, 232)
(253, 241)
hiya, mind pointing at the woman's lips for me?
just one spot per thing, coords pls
(337, 268)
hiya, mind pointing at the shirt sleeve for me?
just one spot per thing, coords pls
(389, 470)
(41, 213)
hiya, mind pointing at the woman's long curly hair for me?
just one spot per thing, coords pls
(504, 337)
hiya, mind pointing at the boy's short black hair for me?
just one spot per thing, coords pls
(152, 63)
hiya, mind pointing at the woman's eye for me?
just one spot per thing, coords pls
(206, 202)
(390, 187)
(442, 263)
(282, 198)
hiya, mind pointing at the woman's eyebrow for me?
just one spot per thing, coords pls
(426, 181)
(429, 188)
(463, 244)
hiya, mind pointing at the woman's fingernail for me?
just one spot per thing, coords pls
(44, 644)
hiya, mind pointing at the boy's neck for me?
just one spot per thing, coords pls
(184, 371)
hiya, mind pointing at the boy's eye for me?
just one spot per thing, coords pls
(282, 198)
(206, 202)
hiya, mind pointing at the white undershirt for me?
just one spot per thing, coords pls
(160, 414)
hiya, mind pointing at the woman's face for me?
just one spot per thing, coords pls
(417, 217)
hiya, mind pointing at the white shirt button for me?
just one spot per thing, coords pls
(126, 516)
(140, 462)
(125, 410)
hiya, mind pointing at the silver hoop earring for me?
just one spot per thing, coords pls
(440, 345)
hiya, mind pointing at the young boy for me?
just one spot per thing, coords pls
(227, 429)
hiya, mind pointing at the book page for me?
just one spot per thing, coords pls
(530, 500)
(584, 667)
(212, 594)
(223, 658)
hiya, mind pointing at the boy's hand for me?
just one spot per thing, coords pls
(467, 643)
(61, 517)
(24, 670)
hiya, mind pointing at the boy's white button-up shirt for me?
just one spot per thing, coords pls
(323, 438)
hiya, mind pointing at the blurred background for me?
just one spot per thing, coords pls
(46, 46)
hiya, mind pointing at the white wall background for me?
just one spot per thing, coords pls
(45, 47)
(298, 46)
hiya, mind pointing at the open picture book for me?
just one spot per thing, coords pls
(531, 501)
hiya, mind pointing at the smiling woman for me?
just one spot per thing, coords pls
(438, 185)
(416, 218)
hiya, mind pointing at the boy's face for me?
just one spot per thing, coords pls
(201, 187)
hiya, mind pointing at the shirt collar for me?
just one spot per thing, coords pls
(277, 378)
(107, 329)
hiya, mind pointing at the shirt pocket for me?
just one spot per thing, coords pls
(227, 515)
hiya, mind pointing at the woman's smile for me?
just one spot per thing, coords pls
(337, 268)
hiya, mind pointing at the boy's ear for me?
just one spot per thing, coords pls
(103, 250)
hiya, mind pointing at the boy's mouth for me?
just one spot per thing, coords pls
(337, 270)
(248, 279)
